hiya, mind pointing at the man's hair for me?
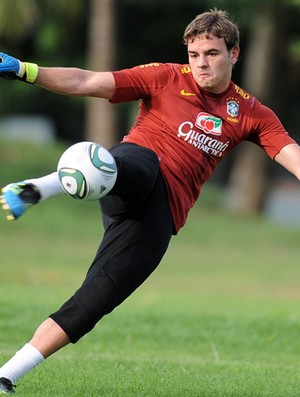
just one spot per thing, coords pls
(216, 22)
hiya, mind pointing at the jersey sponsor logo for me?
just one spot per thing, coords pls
(210, 125)
(185, 93)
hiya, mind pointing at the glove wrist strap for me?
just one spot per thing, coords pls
(31, 71)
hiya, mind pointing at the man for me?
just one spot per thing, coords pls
(191, 116)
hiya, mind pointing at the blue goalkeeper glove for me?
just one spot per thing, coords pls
(12, 69)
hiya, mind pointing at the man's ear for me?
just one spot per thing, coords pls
(234, 55)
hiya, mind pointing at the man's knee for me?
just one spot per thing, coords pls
(86, 307)
(138, 168)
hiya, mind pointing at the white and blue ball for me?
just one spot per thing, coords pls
(87, 171)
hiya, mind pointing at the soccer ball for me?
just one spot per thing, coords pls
(87, 171)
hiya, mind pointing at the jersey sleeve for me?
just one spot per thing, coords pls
(269, 132)
(140, 82)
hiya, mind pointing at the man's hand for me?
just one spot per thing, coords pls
(12, 69)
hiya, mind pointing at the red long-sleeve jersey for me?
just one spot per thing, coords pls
(190, 129)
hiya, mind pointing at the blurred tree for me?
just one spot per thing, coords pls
(248, 179)
(14, 11)
(266, 57)
(21, 18)
(39, 31)
(101, 115)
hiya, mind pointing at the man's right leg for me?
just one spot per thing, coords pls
(18, 197)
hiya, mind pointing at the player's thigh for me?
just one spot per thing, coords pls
(131, 249)
(138, 168)
(137, 239)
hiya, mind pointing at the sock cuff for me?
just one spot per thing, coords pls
(22, 362)
(47, 185)
(34, 353)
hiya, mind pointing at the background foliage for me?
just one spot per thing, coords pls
(54, 33)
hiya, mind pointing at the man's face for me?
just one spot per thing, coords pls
(211, 62)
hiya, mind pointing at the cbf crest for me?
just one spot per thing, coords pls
(232, 107)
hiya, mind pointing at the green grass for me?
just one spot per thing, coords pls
(219, 317)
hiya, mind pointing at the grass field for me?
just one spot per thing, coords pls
(219, 317)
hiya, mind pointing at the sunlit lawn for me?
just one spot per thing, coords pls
(219, 317)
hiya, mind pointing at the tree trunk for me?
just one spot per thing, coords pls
(100, 114)
(248, 179)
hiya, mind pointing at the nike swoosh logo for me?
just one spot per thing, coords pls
(184, 93)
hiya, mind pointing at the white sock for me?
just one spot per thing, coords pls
(22, 362)
(48, 185)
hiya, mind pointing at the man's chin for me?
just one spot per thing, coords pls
(205, 85)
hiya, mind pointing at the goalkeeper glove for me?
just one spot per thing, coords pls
(12, 69)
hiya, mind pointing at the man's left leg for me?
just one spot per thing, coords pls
(132, 247)
(51, 335)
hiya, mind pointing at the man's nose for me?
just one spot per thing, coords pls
(202, 61)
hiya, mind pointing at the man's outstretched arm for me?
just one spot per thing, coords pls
(62, 80)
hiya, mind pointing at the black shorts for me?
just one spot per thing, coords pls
(138, 228)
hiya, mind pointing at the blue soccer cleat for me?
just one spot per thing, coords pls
(6, 387)
(18, 197)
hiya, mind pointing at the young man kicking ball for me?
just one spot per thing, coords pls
(191, 116)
